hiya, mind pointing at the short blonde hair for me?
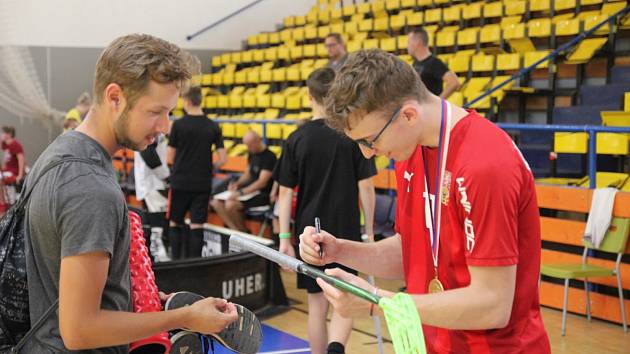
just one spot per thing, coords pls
(133, 61)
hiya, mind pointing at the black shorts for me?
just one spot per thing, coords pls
(183, 201)
(311, 286)
(256, 201)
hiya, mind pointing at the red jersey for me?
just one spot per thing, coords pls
(10, 152)
(489, 217)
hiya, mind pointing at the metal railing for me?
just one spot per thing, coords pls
(591, 130)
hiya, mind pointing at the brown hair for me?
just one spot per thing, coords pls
(9, 130)
(194, 96)
(319, 82)
(134, 60)
(371, 80)
(421, 34)
(336, 36)
(84, 99)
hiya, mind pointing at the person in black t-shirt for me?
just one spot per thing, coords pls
(332, 177)
(255, 180)
(190, 149)
(434, 73)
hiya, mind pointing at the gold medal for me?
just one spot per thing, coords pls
(435, 286)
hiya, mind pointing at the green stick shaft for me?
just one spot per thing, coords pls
(338, 283)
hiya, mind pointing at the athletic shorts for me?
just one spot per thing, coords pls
(184, 201)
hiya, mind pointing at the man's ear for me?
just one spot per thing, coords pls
(114, 97)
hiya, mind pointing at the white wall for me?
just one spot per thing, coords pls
(95, 23)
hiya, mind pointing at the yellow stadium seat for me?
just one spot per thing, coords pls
(569, 27)
(366, 25)
(445, 57)
(406, 58)
(370, 44)
(560, 5)
(235, 57)
(353, 46)
(433, 16)
(585, 50)
(252, 40)
(397, 22)
(274, 38)
(363, 8)
(468, 36)
(475, 86)
(279, 74)
(590, 2)
(415, 19)
(228, 78)
(508, 61)
(498, 80)
(539, 5)
(472, 11)
(223, 101)
(323, 16)
(570, 143)
(611, 8)
(285, 34)
(612, 143)
(289, 21)
(310, 32)
(533, 57)
(378, 6)
(271, 54)
(626, 102)
(323, 31)
(336, 28)
(424, 3)
(456, 98)
(459, 63)
(349, 10)
(391, 5)
(490, 34)
(297, 52)
(240, 77)
(226, 58)
(298, 34)
(351, 27)
(210, 102)
(493, 10)
(293, 102)
(259, 55)
(381, 24)
(217, 79)
(263, 101)
(310, 50)
(452, 14)
(445, 38)
(388, 44)
(216, 61)
(278, 100)
(228, 130)
(593, 21)
(408, 3)
(402, 41)
(539, 28)
(263, 38)
(483, 63)
(515, 7)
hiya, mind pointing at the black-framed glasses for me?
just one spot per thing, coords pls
(370, 143)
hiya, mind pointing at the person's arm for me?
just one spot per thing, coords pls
(242, 179)
(222, 158)
(484, 304)
(284, 216)
(84, 324)
(382, 259)
(20, 158)
(260, 183)
(368, 197)
(170, 155)
(451, 84)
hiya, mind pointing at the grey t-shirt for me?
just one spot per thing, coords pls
(76, 208)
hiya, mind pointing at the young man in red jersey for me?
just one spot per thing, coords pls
(471, 255)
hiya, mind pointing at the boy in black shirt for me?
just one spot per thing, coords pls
(332, 176)
(190, 149)
(255, 179)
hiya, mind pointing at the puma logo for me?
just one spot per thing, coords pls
(407, 177)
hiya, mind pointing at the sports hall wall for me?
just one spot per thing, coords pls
(65, 41)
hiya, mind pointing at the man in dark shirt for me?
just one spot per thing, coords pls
(332, 176)
(255, 180)
(190, 149)
(336, 48)
(434, 73)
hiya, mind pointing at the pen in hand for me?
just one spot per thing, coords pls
(318, 228)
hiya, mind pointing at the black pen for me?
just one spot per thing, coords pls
(318, 228)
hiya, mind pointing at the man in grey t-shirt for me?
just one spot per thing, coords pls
(77, 228)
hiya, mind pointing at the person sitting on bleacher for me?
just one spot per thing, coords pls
(337, 53)
(253, 186)
(75, 116)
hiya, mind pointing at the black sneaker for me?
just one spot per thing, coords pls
(242, 336)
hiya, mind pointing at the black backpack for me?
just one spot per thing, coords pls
(15, 324)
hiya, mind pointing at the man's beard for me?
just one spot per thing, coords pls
(121, 131)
